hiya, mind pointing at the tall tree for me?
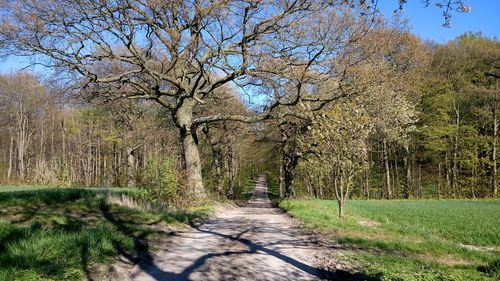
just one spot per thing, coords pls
(177, 53)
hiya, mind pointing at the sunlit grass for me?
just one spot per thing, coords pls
(445, 239)
(59, 234)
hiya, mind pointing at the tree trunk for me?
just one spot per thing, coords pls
(367, 173)
(191, 156)
(341, 203)
(321, 182)
(387, 170)
(282, 178)
(131, 163)
(11, 151)
(42, 142)
(341, 184)
(448, 173)
(63, 140)
(439, 180)
(192, 162)
(290, 162)
(419, 185)
(454, 182)
(494, 182)
(22, 142)
(396, 179)
(216, 157)
(407, 163)
(218, 173)
(230, 175)
(367, 183)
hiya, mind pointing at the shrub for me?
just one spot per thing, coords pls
(164, 183)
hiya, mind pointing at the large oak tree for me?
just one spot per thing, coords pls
(179, 52)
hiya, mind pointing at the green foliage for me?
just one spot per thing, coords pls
(412, 240)
(244, 191)
(273, 191)
(164, 183)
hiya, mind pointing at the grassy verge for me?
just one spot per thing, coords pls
(245, 190)
(63, 234)
(411, 240)
(273, 188)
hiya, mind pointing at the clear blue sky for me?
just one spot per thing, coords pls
(426, 23)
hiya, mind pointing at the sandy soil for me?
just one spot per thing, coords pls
(255, 242)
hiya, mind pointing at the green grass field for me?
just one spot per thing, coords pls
(411, 240)
(64, 233)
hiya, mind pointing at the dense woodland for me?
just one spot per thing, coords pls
(369, 111)
(436, 136)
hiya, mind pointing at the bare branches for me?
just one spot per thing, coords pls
(448, 7)
(168, 51)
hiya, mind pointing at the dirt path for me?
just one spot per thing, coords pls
(255, 242)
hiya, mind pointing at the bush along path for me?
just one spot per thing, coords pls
(255, 242)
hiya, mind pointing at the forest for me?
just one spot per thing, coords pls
(424, 124)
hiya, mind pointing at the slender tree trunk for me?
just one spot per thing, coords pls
(439, 180)
(367, 183)
(407, 164)
(216, 156)
(22, 141)
(218, 173)
(341, 199)
(341, 203)
(11, 151)
(230, 175)
(308, 183)
(455, 152)
(131, 163)
(321, 182)
(98, 166)
(476, 182)
(448, 174)
(387, 169)
(494, 176)
(396, 179)
(281, 177)
(53, 129)
(367, 173)
(339, 192)
(63, 141)
(42, 142)
(342, 189)
(419, 185)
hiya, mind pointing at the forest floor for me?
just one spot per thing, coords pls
(255, 242)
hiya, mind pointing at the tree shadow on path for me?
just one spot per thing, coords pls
(145, 260)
